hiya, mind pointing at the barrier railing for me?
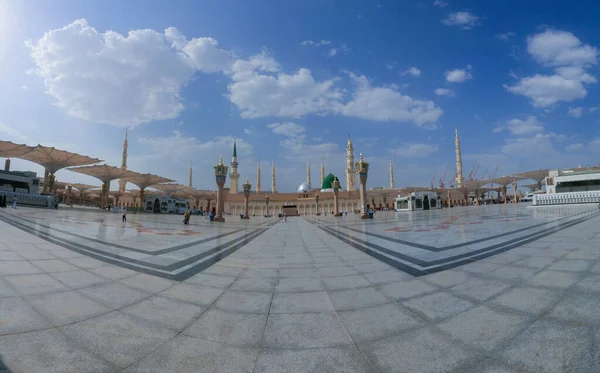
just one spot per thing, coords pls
(28, 199)
(566, 198)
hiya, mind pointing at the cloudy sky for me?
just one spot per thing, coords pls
(292, 79)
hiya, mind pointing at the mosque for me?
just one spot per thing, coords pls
(307, 200)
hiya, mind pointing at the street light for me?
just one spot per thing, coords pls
(267, 202)
(317, 201)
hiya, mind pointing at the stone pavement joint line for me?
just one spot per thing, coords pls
(296, 298)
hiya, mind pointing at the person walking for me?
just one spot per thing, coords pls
(124, 212)
(14, 206)
(284, 218)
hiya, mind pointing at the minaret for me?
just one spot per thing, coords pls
(391, 175)
(322, 173)
(258, 179)
(459, 175)
(350, 170)
(123, 183)
(233, 174)
(190, 175)
(273, 189)
(308, 173)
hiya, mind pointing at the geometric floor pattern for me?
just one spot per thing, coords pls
(300, 297)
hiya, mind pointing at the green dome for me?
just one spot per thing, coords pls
(328, 181)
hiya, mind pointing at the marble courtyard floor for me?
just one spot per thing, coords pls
(476, 289)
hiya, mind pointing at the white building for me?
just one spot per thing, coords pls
(570, 187)
(25, 182)
(164, 204)
(416, 201)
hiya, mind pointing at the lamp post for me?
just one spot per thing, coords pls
(514, 184)
(267, 202)
(104, 196)
(336, 188)
(247, 186)
(317, 202)
(220, 176)
(363, 169)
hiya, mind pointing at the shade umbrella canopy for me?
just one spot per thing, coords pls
(54, 159)
(143, 181)
(504, 180)
(172, 188)
(103, 172)
(83, 187)
(11, 150)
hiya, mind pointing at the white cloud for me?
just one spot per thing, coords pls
(11, 134)
(507, 36)
(24, 87)
(122, 80)
(316, 43)
(332, 52)
(391, 65)
(575, 112)
(529, 147)
(459, 75)
(414, 150)
(574, 147)
(463, 19)
(523, 127)
(593, 109)
(287, 129)
(565, 52)
(412, 71)
(560, 48)
(387, 104)
(440, 3)
(545, 90)
(343, 48)
(594, 145)
(444, 92)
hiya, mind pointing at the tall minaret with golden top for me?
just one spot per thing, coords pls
(350, 170)
(391, 175)
(233, 174)
(258, 179)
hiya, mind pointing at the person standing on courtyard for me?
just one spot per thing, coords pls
(124, 212)
(285, 218)
(14, 206)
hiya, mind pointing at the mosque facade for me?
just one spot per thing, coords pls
(307, 199)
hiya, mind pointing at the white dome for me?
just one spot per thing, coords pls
(304, 187)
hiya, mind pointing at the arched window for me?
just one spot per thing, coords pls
(418, 203)
(432, 203)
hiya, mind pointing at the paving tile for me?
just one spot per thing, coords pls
(511, 273)
(244, 302)
(589, 284)
(378, 322)
(55, 265)
(479, 267)
(66, 307)
(337, 271)
(211, 280)
(192, 293)
(148, 283)
(299, 284)
(480, 289)
(18, 317)
(113, 272)
(85, 262)
(224, 270)
(527, 299)
(554, 279)
(254, 284)
(301, 303)
(571, 265)
(18, 268)
(229, 328)
(298, 272)
(548, 347)
(408, 289)
(5, 289)
(345, 282)
(486, 366)
(114, 295)
(437, 306)
(387, 276)
(260, 272)
(577, 308)
(345, 359)
(79, 278)
(421, 351)
(536, 262)
(190, 355)
(447, 278)
(118, 338)
(49, 351)
(356, 298)
(484, 327)
(36, 254)
(305, 330)
(165, 312)
(34, 284)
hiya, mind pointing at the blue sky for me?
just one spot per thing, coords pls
(290, 80)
